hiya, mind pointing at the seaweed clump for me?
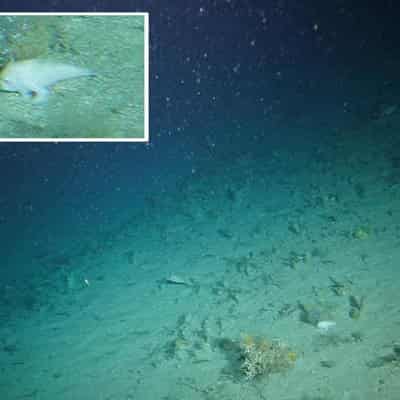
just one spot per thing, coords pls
(263, 357)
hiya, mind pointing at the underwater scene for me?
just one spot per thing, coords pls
(72, 76)
(249, 250)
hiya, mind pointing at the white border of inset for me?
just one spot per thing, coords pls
(146, 77)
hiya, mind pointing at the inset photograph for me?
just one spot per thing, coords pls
(74, 77)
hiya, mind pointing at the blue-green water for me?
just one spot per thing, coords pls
(248, 251)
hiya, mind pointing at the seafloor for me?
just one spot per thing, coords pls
(157, 306)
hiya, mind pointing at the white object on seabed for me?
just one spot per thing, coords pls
(34, 78)
(325, 326)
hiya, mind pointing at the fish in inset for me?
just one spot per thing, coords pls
(34, 78)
